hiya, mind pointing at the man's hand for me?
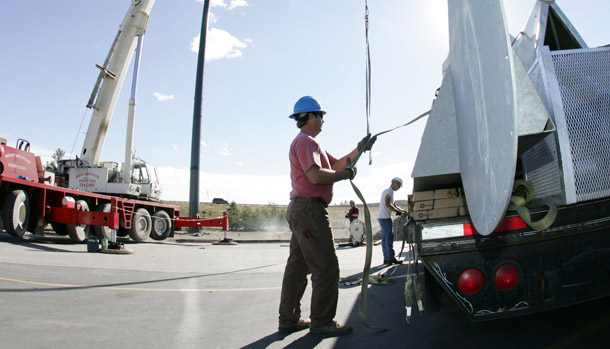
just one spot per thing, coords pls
(351, 167)
(366, 143)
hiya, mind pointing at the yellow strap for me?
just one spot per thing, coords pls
(381, 279)
(523, 194)
(408, 297)
(367, 262)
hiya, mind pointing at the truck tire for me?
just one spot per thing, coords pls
(122, 232)
(141, 225)
(102, 231)
(16, 213)
(161, 225)
(79, 232)
(59, 228)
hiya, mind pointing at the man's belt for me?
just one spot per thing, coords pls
(310, 199)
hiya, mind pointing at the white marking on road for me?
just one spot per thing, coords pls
(207, 290)
(190, 326)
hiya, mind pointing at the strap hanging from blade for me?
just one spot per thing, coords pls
(367, 261)
(367, 215)
(403, 125)
(355, 160)
(368, 83)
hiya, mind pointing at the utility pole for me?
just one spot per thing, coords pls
(197, 115)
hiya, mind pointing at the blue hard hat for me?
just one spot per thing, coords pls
(306, 104)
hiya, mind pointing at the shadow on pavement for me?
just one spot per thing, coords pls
(309, 340)
(126, 284)
(36, 242)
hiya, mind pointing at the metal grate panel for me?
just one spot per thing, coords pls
(540, 163)
(584, 82)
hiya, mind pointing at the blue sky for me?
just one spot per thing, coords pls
(261, 57)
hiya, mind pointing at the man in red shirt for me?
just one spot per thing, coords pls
(312, 250)
(353, 212)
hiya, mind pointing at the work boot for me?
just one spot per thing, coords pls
(334, 328)
(391, 261)
(300, 325)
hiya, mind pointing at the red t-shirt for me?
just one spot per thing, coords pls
(305, 151)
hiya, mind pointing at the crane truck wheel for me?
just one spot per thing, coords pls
(102, 231)
(141, 225)
(161, 225)
(16, 213)
(79, 232)
(59, 228)
(122, 232)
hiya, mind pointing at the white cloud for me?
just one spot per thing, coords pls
(163, 97)
(175, 146)
(224, 149)
(232, 4)
(220, 44)
(237, 3)
(212, 18)
(241, 188)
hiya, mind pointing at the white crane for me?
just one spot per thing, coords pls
(136, 180)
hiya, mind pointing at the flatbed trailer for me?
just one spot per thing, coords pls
(30, 200)
(548, 245)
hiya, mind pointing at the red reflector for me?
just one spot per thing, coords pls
(470, 281)
(514, 223)
(507, 276)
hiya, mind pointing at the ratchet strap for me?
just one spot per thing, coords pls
(523, 194)
(412, 285)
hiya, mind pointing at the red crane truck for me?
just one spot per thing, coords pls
(30, 200)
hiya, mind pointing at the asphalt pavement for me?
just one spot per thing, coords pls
(184, 292)
(188, 292)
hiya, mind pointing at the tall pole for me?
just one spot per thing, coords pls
(196, 140)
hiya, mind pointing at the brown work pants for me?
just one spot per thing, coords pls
(312, 250)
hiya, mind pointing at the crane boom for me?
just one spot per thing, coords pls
(111, 76)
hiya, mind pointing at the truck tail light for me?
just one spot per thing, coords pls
(470, 281)
(507, 276)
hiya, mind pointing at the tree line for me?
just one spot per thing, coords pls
(262, 218)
